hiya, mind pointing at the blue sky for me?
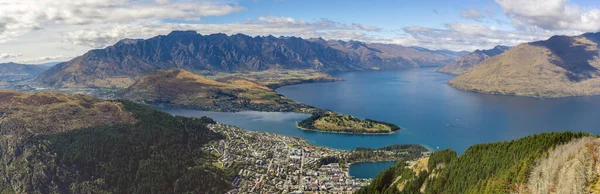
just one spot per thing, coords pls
(387, 14)
(38, 31)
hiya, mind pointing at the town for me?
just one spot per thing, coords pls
(272, 163)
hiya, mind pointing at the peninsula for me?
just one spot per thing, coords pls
(329, 121)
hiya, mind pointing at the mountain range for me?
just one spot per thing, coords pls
(129, 59)
(558, 67)
(469, 61)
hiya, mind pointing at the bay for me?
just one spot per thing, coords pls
(430, 112)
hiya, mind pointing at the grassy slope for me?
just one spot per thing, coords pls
(275, 78)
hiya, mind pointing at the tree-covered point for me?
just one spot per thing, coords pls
(484, 168)
(441, 157)
(160, 153)
(329, 121)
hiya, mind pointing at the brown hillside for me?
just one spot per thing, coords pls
(38, 113)
(558, 67)
(180, 88)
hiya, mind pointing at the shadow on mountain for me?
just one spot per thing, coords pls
(573, 56)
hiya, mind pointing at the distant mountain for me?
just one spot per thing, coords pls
(390, 56)
(448, 52)
(558, 67)
(129, 59)
(179, 88)
(17, 72)
(471, 60)
(50, 64)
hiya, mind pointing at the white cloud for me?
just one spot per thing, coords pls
(41, 28)
(22, 16)
(46, 59)
(551, 15)
(280, 20)
(101, 36)
(454, 36)
(472, 14)
(9, 55)
(461, 36)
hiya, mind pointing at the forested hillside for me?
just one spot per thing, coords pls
(502, 167)
(156, 153)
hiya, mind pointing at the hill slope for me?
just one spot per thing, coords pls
(58, 143)
(471, 60)
(180, 88)
(129, 59)
(558, 67)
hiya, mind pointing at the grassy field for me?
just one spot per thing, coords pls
(275, 78)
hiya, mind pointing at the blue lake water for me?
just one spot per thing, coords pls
(429, 111)
(365, 170)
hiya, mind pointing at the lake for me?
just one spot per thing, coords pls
(365, 170)
(430, 112)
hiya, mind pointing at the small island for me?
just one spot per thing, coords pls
(329, 121)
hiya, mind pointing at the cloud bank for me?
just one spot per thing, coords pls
(49, 30)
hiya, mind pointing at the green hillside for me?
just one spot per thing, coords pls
(502, 167)
(158, 153)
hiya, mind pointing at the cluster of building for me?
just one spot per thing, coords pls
(272, 163)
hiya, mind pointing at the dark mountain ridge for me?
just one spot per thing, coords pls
(121, 64)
